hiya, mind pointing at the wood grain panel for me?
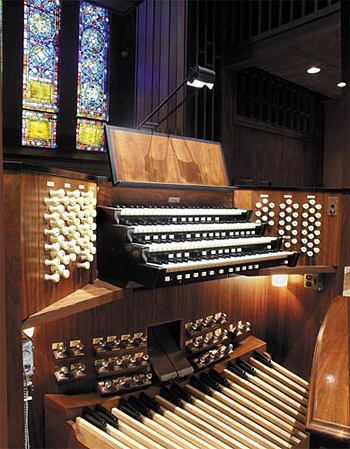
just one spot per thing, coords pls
(331, 225)
(145, 157)
(12, 194)
(3, 330)
(329, 409)
(109, 195)
(160, 61)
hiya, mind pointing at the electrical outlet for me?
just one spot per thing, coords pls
(314, 281)
(332, 205)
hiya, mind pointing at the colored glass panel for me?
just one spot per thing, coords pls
(39, 129)
(92, 62)
(40, 61)
(92, 98)
(40, 72)
(89, 135)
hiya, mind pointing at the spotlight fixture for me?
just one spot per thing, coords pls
(280, 280)
(341, 84)
(29, 331)
(313, 70)
(197, 77)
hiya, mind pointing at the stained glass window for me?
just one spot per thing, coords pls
(92, 101)
(40, 72)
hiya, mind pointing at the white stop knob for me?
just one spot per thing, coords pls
(52, 262)
(265, 200)
(85, 265)
(318, 224)
(305, 206)
(287, 244)
(54, 232)
(258, 213)
(272, 205)
(317, 241)
(59, 209)
(281, 232)
(303, 249)
(294, 241)
(318, 206)
(53, 247)
(54, 216)
(52, 277)
(317, 232)
(312, 202)
(88, 257)
(282, 206)
(72, 257)
(281, 222)
(258, 205)
(310, 253)
(74, 193)
(296, 206)
(52, 201)
(75, 208)
(294, 232)
(282, 214)
(289, 201)
(59, 193)
(316, 250)
(271, 223)
(288, 227)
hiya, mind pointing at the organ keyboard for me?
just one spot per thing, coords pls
(248, 403)
(159, 247)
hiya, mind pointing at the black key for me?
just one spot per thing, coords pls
(151, 403)
(169, 396)
(262, 358)
(206, 379)
(220, 378)
(246, 367)
(96, 422)
(106, 412)
(139, 406)
(181, 392)
(196, 383)
(235, 369)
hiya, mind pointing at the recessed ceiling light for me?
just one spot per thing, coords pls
(341, 84)
(313, 70)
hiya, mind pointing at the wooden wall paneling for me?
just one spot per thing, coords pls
(264, 156)
(163, 77)
(160, 61)
(3, 330)
(13, 292)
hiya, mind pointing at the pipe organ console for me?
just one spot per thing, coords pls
(132, 366)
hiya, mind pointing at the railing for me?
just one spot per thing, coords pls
(254, 17)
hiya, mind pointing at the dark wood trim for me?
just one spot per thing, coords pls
(251, 122)
(3, 358)
(328, 410)
(247, 54)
